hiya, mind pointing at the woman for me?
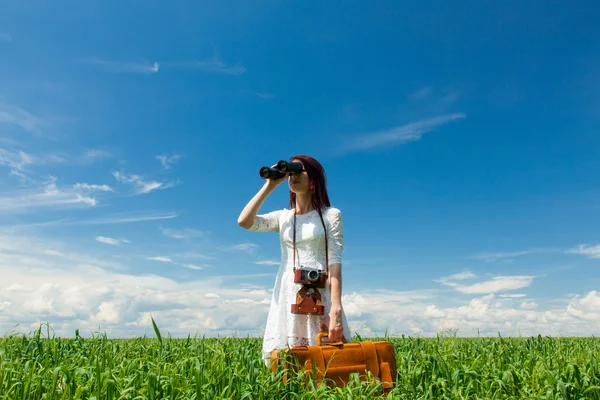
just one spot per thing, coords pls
(309, 211)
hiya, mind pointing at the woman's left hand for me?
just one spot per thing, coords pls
(333, 323)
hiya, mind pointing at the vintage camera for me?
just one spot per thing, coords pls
(310, 277)
(282, 169)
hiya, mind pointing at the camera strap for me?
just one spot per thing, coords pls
(326, 247)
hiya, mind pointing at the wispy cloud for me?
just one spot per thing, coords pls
(214, 65)
(92, 155)
(5, 37)
(114, 219)
(496, 284)
(17, 116)
(47, 196)
(191, 266)
(141, 186)
(122, 219)
(167, 161)
(160, 259)
(586, 250)
(508, 256)
(111, 241)
(16, 162)
(265, 95)
(169, 260)
(182, 233)
(88, 187)
(20, 163)
(420, 94)
(458, 277)
(267, 262)
(246, 247)
(193, 255)
(134, 67)
(399, 135)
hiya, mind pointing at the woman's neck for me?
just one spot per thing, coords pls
(304, 204)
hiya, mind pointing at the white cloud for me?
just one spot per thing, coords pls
(87, 186)
(121, 219)
(586, 250)
(73, 291)
(586, 308)
(23, 252)
(49, 195)
(421, 94)
(111, 241)
(265, 95)
(267, 262)
(494, 256)
(46, 280)
(214, 65)
(166, 161)
(247, 247)
(193, 255)
(484, 316)
(136, 67)
(166, 259)
(161, 259)
(448, 280)
(17, 162)
(20, 163)
(92, 155)
(402, 134)
(141, 186)
(25, 120)
(181, 233)
(497, 284)
(113, 219)
(529, 305)
(192, 266)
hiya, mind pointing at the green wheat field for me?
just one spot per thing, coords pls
(42, 366)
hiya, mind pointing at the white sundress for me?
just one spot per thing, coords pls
(284, 329)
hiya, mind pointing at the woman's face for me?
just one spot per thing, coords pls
(299, 183)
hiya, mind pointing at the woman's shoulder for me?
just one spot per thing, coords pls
(333, 213)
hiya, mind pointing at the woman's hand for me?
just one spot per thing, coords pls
(333, 324)
(272, 183)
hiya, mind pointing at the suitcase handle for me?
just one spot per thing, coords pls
(322, 334)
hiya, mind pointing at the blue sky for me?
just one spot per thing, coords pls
(460, 141)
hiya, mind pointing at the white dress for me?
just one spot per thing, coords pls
(284, 329)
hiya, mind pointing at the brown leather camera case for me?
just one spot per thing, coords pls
(307, 302)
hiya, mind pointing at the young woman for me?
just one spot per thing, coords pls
(309, 212)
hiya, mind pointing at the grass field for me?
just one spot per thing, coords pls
(446, 367)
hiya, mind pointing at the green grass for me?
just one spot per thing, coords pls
(41, 366)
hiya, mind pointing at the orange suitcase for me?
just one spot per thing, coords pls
(336, 361)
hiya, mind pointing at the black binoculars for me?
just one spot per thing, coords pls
(282, 169)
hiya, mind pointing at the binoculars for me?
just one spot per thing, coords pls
(282, 169)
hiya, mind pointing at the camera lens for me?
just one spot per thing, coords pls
(313, 275)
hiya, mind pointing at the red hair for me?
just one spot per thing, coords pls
(317, 181)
